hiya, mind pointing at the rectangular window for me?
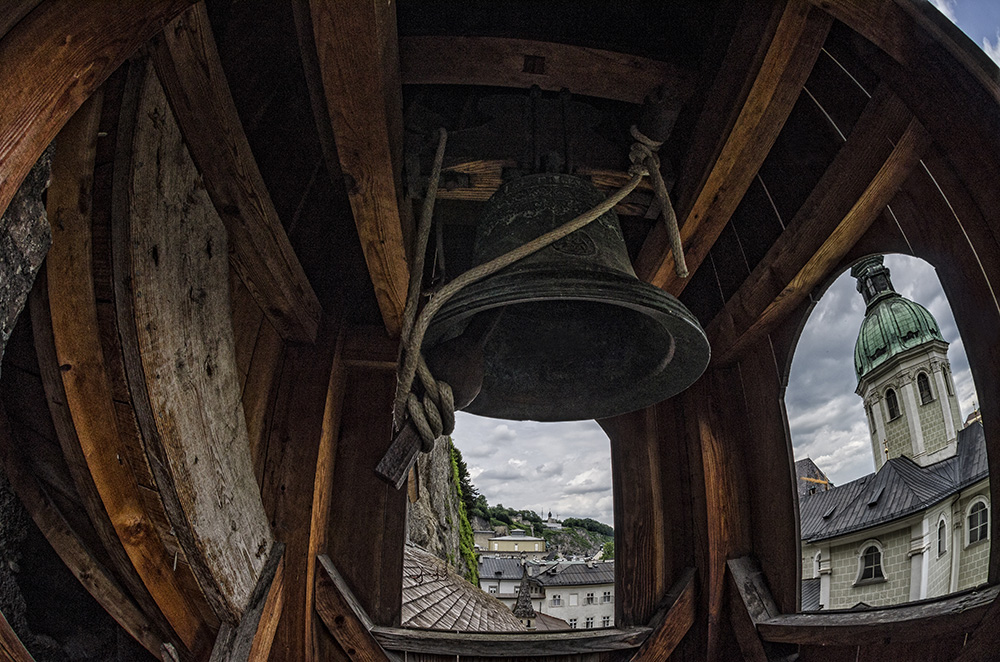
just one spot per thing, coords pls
(572, 623)
(515, 547)
(590, 622)
(606, 597)
(536, 546)
(496, 546)
(590, 599)
(557, 601)
(573, 599)
(606, 622)
(493, 589)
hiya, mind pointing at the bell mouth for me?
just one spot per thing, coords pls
(574, 345)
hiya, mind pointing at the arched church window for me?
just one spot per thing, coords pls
(979, 522)
(892, 404)
(942, 538)
(924, 387)
(870, 565)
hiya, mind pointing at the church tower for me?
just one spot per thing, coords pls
(904, 378)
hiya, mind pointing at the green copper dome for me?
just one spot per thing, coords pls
(892, 323)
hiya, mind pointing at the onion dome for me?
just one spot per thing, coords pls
(893, 323)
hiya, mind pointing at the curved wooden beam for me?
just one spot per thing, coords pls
(53, 59)
(862, 179)
(500, 62)
(776, 86)
(358, 62)
(188, 65)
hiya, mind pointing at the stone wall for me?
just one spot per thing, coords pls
(895, 565)
(434, 520)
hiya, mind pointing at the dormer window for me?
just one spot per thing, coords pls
(892, 404)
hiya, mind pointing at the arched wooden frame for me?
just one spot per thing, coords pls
(699, 485)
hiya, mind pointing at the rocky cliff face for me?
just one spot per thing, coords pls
(434, 520)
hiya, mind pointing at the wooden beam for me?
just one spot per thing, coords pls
(80, 394)
(10, 646)
(358, 62)
(172, 299)
(188, 65)
(250, 641)
(53, 59)
(750, 603)
(776, 87)
(919, 621)
(13, 11)
(672, 622)
(511, 645)
(862, 179)
(501, 62)
(70, 548)
(344, 616)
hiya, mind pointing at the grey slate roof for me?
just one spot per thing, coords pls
(509, 568)
(810, 594)
(900, 488)
(435, 597)
(806, 468)
(576, 573)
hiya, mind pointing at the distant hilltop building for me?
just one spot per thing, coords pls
(919, 526)
(517, 543)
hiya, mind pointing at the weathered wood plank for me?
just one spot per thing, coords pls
(188, 65)
(14, 11)
(53, 59)
(928, 619)
(500, 62)
(80, 397)
(672, 622)
(358, 62)
(786, 66)
(509, 645)
(297, 451)
(173, 247)
(750, 602)
(74, 553)
(10, 646)
(344, 616)
(250, 641)
(848, 198)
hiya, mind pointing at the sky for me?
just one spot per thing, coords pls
(565, 468)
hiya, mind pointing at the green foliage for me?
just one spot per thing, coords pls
(466, 542)
(608, 552)
(590, 525)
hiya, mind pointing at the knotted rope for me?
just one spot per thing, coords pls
(434, 414)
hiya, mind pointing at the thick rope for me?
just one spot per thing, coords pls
(644, 151)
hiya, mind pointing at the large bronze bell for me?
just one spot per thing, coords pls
(579, 336)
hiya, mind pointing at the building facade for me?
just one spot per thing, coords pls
(517, 543)
(919, 526)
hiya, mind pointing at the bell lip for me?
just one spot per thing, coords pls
(527, 286)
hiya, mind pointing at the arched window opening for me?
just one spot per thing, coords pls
(892, 404)
(525, 519)
(924, 386)
(870, 565)
(864, 358)
(979, 522)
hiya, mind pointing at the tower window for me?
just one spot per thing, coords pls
(942, 538)
(892, 404)
(924, 386)
(870, 563)
(979, 522)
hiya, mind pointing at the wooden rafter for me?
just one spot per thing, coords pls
(344, 616)
(521, 63)
(359, 65)
(250, 640)
(852, 192)
(776, 86)
(672, 622)
(48, 75)
(188, 65)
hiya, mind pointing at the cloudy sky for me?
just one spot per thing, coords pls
(565, 468)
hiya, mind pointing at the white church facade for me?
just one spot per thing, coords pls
(918, 527)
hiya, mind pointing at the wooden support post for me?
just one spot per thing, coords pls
(188, 65)
(750, 603)
(358, 61)
(790, 56)
(250, 641)
(53, 59)
(672, 622)
(848, 198)
(344, 616)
